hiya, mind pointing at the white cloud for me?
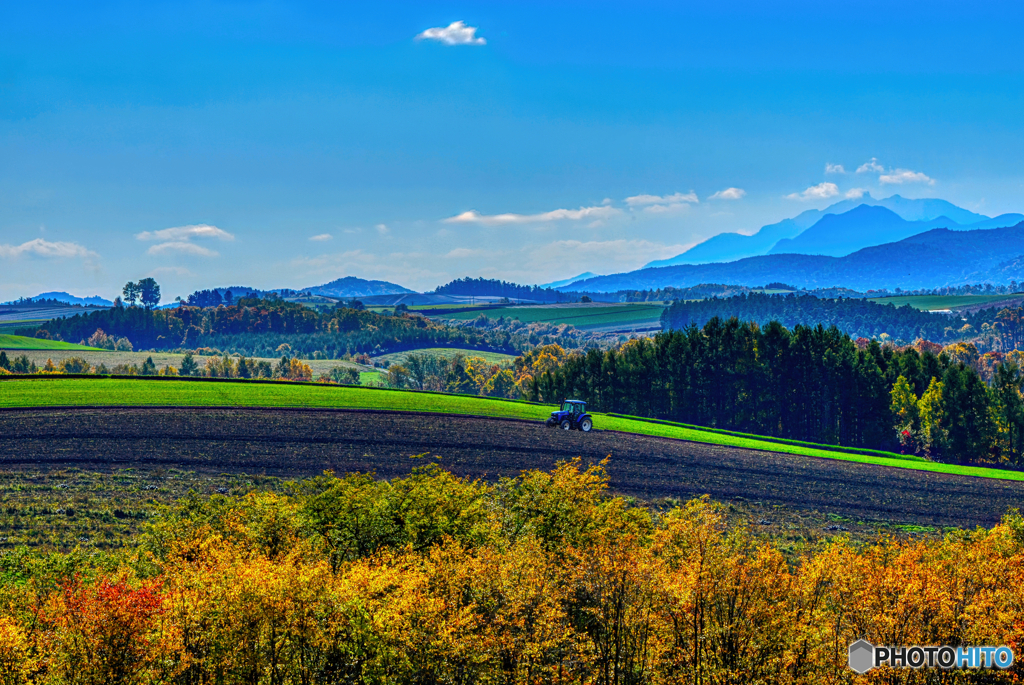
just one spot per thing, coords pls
(641, 200)
(186, 233)
(170, 271)
(382, 229)
(46, 249)
(855, 193)
(178, 240)
(674, 208)
(901, 176)
(821, 191)
(473, 217)
(456, 33)
(462, 252)
(834, 168)
(870, 167)
(729, 194)
(321, 238)
(181, 246)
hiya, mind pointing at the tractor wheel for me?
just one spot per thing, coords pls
(566, 425)
(586, 425)
(551, 423)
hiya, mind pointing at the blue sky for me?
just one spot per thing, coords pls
(287, 144)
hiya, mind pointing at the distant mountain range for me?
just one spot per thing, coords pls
(828, 235)
(837, 235)
(567, 281)
(934, 258)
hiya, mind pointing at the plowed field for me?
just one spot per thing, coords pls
(303, 442)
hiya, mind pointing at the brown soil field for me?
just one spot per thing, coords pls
(300, 442)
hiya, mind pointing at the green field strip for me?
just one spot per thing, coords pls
(939, 302)
(589, 316)
(55, 391)
(781, 441)
(20, 342)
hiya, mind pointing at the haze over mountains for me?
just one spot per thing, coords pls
(936, 258)
(837, 239)
(862, 244)
(67, 298)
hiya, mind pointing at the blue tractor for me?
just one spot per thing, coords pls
(572, 415)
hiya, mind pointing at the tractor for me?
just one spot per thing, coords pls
(572, 415)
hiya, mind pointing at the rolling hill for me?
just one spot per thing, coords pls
(68, 298)
(350, 286)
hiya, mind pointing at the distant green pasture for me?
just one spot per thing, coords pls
(20, 342)
(930, 303)
(597, 315)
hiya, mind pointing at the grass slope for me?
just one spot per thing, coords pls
(57, 391)
(19, 342)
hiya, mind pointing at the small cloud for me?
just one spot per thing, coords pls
(822, 191)
(834, 168)
(461, 252)
(352, 230)
(182, 247)
(674, 208)
(607, 201)
(46, 250)
(473, 217)
(170, 271)
(186, 233)
(382, 229)
(729, 194)
(870, 167)
(855, 193)
(901, 176)
(321, 238)
(641, 200)
(456, 33)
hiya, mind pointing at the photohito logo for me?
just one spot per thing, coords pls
(863, 656)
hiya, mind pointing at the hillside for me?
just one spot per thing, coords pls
(350, 286)
(935, 258)
(62, 296)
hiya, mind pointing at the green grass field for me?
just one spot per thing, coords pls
(931, 303)
(11, 325)
(447, 352)
(18, 342)
(56, 391)
(584, 316)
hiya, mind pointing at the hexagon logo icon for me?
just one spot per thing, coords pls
(861, 656)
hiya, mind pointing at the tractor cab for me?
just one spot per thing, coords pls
(571, 416)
